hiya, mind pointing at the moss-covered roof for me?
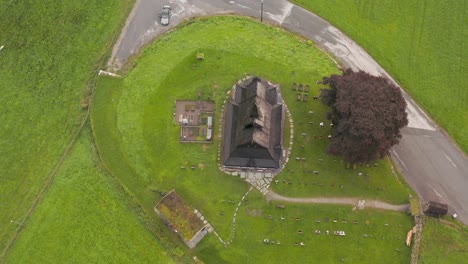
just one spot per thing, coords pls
(180, 216)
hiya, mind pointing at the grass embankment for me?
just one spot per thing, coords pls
(444, 242)
(381, 234)
(85, 217)
(420, 43)
(51, 50)
(138, 139)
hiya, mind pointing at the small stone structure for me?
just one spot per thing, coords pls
(189, 224)
(196, 120)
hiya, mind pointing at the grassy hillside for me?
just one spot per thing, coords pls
(85, 219)
(51, 50)
(133, 118)
(134, 128)
(420, 43)
(444, 242)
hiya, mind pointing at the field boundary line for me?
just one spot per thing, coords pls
(47, 184)
(71, 143)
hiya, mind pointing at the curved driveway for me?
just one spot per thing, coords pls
(427, 158)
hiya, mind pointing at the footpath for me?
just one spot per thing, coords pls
(359, 203)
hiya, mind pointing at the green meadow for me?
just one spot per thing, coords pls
(421, 45)
(138, 139)
(444, 241)
(86, 217)
(102, 180)
(52, 50)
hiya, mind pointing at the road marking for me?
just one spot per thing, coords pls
(285, 12)
(182, 9)
(416, 117)
(450, 160)
(398, 158)
(437, 193)
(240, 5)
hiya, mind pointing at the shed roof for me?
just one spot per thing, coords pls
(179, 215)
(436, 208)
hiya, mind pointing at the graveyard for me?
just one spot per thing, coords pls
(298, 233)
(130, 168)
(311, 172)
(244, 223)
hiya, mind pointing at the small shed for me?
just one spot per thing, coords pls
(182, 219)
(435, 208)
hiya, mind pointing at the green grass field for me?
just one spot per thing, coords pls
(420, 43)
(136, 121)
(84, 218)
(137, 136)
(444, 242)
(51, 52)
(384, 243)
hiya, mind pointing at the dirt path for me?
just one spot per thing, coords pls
(271, 195)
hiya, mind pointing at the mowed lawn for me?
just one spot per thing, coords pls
(444, 242)
(371, 236)
(133, 117)
(422, 44)
(134, 127)
(85, 217)
(51, 50)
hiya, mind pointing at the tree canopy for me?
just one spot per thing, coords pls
(367, 112)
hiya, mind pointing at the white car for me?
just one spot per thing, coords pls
(165, 15)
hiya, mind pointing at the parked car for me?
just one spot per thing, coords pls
(165, 15)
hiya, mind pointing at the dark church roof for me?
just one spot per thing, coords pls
(253, 126)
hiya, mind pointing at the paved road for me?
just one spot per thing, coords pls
(428, 159)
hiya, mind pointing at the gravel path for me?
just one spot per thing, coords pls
(271, 195)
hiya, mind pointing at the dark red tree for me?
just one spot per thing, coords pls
(367, 112)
